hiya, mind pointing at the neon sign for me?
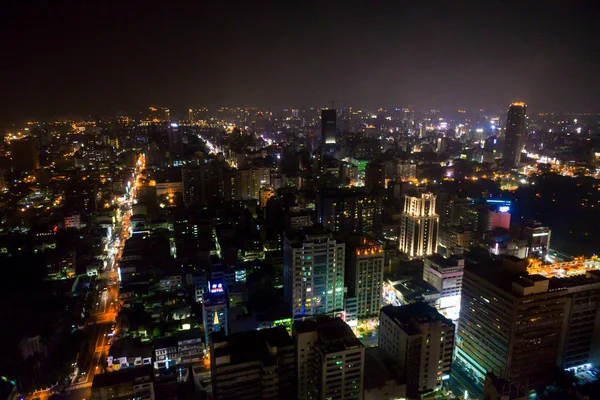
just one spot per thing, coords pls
(215, 287)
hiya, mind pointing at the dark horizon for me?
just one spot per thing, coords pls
(70, 58)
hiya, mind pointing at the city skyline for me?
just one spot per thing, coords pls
(338, 200)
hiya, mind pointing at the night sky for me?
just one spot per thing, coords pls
(68, 57)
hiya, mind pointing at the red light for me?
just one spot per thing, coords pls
(55, 228)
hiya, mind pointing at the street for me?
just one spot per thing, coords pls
(92, 356)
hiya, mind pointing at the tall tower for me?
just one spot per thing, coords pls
(313, 269)
(363, 275)
(513, 139)
(421, 340)
(328, 130)
(419, 225)
(510, 324)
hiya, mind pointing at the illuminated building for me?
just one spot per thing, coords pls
(175, 142)
(514, 135)
(214, 309)
(249, 181)
(445, 274)
(313, 268)
(421, 341)
(510, 324)
(330, 360)
(454, 240)
(419, 225)
(349, 210)
(580, 336)
(24, 154)
(328, 130)
(199, 184)
(265, 194)
(364, 275)
(256, 364)
(537, 237)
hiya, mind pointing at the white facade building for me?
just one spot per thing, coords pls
(313, 269)
(446, 275)
(419, 225)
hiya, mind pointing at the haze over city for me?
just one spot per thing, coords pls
(89, 58)
(349, 200)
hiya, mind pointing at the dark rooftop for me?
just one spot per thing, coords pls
(251, 345)
(130, 348)
(123, 376)
(421, 312)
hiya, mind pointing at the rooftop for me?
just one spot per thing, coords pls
(130, 348)
(251, 345)
(420, 312)
(146, 372)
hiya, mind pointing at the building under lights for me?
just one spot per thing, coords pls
(363, 277)
(446, 275)
(328, 130)
(419, 225)
(330, 360)
(214, 310)
(514, 135)
(510, 324)
(421, 341)
(313, 269)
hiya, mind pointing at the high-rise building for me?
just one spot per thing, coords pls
(249, 181)
(537, 237)
(421, 341)
(175, 141)
(580, 336)
(328, 130)
(313, 268)
(349, 210)
(514, 135)
(445, 274)
(253, 365)
(200, 184)
(330, 360)
(406, 171)
(214, 309)
(419, 225)
(24, 154)
(510, 324)
(364, 275)
(374, 176)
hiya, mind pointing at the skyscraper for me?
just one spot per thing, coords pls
(330, 360)
(328, 130)
(175, 142)
(421, 340)
(313, 268)
(510, 324)
(513, 137)
(253, 365)
(364, 275)
(349, 210)
(419, 225)
(214, 310)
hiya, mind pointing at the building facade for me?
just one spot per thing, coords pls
(419, 225)
(364, 275)
(514, 135)
(421, 340)
(313, 272)
(330, 360)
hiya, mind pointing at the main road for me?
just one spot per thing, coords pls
(101, 323)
